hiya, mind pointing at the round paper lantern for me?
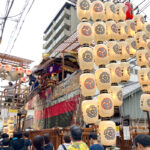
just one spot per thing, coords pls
(140, 40)
(87, 84)
(19, 70)
(120, 12)
(139, 22)
(144, 76)
(105, 105)
(111, 30)
(11, 120)
(113, 51)
(146, 88)
(28, 72)
(97, 11)
(90, 111)
(11, 128)
(8, 68)
(99, 32)
(101, 54)
(131, 28)
(142, 58)
(5, 130)
(148, 45)
(85, 35)
(147, 29)
(124, 49)
(103, 80)
(145, 102)
(83, 10)
(125, 70)
(107, 131)
(109, 10)
(115, 72)
(117, 95)
(5, 122)
(45, 55)
(86, 60)
(132, 46)
(122, 30)
(23, 79)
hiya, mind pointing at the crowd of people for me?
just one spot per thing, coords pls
(71, 141)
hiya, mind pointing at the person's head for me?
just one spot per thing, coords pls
(5, 141)
(5, 135)
(142, 142)
(76, 133)
(26, 134)
(38, 141)
(93, 137)
(66, 138)
(10, 83)
(18, 135)
(46, 138)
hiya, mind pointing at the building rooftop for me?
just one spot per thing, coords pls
(66, 5)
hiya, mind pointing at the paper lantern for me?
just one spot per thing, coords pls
(145, 102)
(103, 80)
(117, 95)
(86, 60)
(45, 55)
(101, 54)
(87, 84)
(122, 30)
(124, 49)
(125, 70)
(144, 76)
(142, 58)
(131, 28)
(83, 10)
(90, 111)
(147, 29)
(99, 32)
(139, 22)
(11, 120)
(120, 12)
(148, 46)
(23, 79)
(28, 72)
(113, 51)
(115, 72)
(105, 105)
(145, 88)
(19, 70)
(107, 131)
(111, 30)
(5, 122)
(132, 46)
(97, 11)
(85, 35)
(5, 130)
(140, 40)
(8, 68)
(11, 128)
(109, 10)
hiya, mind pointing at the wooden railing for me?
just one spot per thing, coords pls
(57, 134)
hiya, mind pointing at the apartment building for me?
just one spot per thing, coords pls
(61, 27)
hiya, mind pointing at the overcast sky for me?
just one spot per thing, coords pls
(30, 41)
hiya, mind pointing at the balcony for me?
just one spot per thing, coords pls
(58, 40)
(64, 14)
(64, 25)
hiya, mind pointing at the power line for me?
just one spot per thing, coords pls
(6, 20)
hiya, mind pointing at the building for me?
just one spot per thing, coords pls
(60, 28)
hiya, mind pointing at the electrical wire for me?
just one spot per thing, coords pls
(145, 7)
(21, 26)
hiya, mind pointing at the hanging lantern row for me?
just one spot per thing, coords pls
(100, 11)
(19, 70)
